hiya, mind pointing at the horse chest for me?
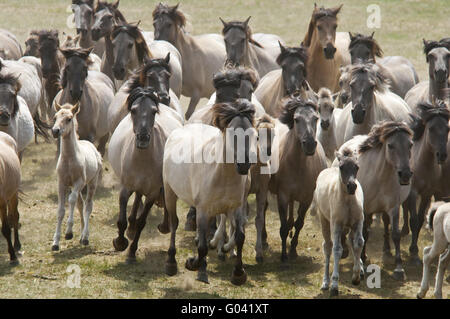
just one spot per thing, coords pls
(70, 171)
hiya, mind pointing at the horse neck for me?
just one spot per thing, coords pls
(69, 145)
(423, 154)
(250, 57)
(377, 164)
(185, 43)
(86, 40)
(108, 57)
(435, 91)
(293, 152)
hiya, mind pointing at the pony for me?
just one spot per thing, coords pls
(10, 178)
(214, 185)
(301, 159)
(277, 84)
(202, 55)
(439, 223)
(327, 49)
(399, 71)
(338, 199)
(136, 153)
(79, 166)
(242, 49)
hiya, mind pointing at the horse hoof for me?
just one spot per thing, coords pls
(238, 280)
(293, 255)
(334, 292)
(356, 281)
(130, 260)
(211, 246)
(14, 262)
(399, 274)
(17, 247)
(55, 247)
(284, 258)
(120, 244)
(324, 287)
(203, 277)
(171, 269)
(221, 257)
(415, 261)
(163, 228)
(190, 264)
(84, 242)
(418, 296)
(190, 225)
(259, 259)
(69, 236)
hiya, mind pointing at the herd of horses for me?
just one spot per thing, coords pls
(330, 125)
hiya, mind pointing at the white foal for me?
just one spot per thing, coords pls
(79, 166)
(439, 222)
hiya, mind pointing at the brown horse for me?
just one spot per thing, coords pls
(327, 50)
(301, 159)
(399, 71)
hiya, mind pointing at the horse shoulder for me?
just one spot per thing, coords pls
(270, 91)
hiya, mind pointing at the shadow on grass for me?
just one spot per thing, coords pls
(174, 292)
(72, 253)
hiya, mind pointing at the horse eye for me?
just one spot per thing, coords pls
(69, 119)
(319, 28)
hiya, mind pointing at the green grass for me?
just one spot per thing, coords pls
(42, 273)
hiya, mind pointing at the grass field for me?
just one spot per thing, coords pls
(104, 274)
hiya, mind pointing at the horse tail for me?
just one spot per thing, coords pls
(431, 213)
(41, 127)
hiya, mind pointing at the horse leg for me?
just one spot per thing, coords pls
(357, 241)
(102, 144)
(170, 200)
(121, 243)
(80, 207)
(302, 209)
(191, 217)
(413, 249)
(140, 224)
(327, 244)
(282, 212)
(73, 198)
(405, 228)
(218, 239)
(137, 204)
(265, 244)
(261, 199)
(192, 104)
(387, 238)
(13, 216)
(61, 211)
(444, 260)
(91, 187)
(366, 232)
(164, 227)
(199, 262)
(239, 275)
(399, 273)
(337, 253)
(429, 254)
(6, 231)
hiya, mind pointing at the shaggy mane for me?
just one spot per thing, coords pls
(242, 26)
(300, 52)
(142, 92)
(380, 132)
(138, 78)
(224, 113)
(234, 75)
(80, 2)
(426, 112)
(173, 12)
(52, 35)
(380, 79)
(118, 16)
(142, 49)
(366, 40)
(430, 45)
(289, 107)
(265, 121)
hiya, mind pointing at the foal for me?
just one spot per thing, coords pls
(338, 198)
(329, 115)
(79, 165)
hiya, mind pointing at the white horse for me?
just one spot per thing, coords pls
(79, 166)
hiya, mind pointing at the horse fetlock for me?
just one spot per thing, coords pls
(239, 276)
(120, 243)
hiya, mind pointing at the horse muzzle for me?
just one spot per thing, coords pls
(351, 188)
(119, 72)
(404, 176)
(325, 124)
(142, 141)
(358, 115)
(344, 98)
(441, 157)
(5, 118)
(309, 147)
(96, 34)
(164, 98)
(56, 132)
(242, 168)
(329, 51)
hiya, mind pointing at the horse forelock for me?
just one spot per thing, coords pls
(44, 35)
(139, 92)
(142, 50)
(265, 121)
(377, 75)
(172, 12)
(87, 2)
(224, 113)
(102, 5)
(290, 105)
(244, 27)
(368, 41)
(300, 52)
(233, 76)
(77, 52)
(430, 45)
(380, 132)
(138, 78)
(426, 112)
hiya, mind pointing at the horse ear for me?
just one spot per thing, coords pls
(281, 46)
(336, 10)
(337, 155)
(76, 108)
(57, 106)
(167, 58)
(425, 42)
(246, 21)
(334, 97)
(371, 36)
(352, 37)
(116, 5)
(174, 8)
(223, 22)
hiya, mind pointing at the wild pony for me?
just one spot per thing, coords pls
(84, 18)
(202, 55)
(327, 49)
(329, 116)
(79, 166)
(242, 49)
(429, 154)
(216, 185)
(398, 70)
(9, 191)
(10, 48)
(136, 153)
(301, 159)
(344, 93)
(371, 102)
(107, 18)
(439, 223)
(338, 200)
(155, 73)
(277, 84)
(94, 91)
(384, 159)
(15, 117)
(438, 58)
